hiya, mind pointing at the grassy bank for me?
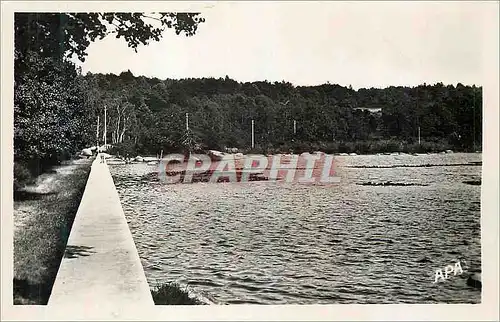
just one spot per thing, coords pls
(44, 211)
(173, 294)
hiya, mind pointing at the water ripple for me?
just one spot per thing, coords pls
(272, 243)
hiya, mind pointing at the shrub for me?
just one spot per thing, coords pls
(172, 294)
(22, 175)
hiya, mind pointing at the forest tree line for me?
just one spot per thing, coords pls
(147, 115)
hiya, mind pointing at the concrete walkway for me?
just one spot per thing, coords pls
(101, 267)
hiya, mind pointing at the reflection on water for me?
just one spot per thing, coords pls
(288, 243)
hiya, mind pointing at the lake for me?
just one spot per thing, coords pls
(289, 243)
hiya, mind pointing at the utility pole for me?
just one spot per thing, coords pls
(97, 134)
(105, 129)
(294, 127)
(187, 141)
(474, 120)
(253, 141)
(418, 118)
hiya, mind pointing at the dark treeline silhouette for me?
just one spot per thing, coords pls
(146, 115)
(54, 110)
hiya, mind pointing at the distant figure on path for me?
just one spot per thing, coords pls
(99, 154)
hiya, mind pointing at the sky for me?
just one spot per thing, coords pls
(362, 44)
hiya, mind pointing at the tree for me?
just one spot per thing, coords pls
(221, 111)
(49, 114)
(55, 108)
(65, 34)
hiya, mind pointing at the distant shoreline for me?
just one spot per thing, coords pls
(370, 147)
(334, 154)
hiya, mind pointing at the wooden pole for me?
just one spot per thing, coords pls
(97, 134)
(105, 129)
(474, 120)
(253, 137)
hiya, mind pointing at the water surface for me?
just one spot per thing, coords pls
(289, 243)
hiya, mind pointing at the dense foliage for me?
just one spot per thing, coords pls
(148, 115)
(53, 104)
(67, 34)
